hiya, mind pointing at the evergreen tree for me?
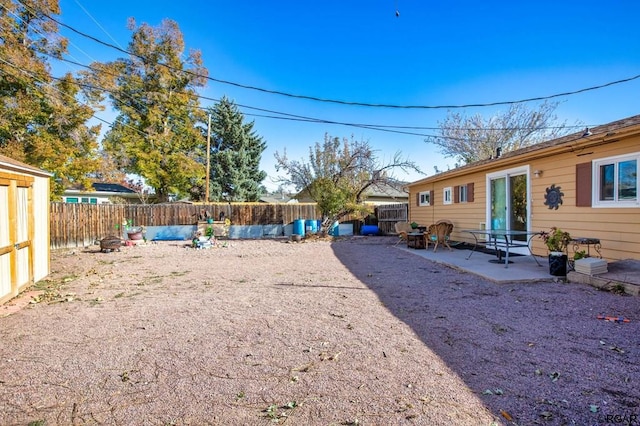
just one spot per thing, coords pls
(42, 121)
(235, 155)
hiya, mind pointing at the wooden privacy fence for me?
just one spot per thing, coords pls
(389, 214)
(79, 225)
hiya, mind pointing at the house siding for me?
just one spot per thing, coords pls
(618, 228)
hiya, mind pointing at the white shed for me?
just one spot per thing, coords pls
(24, 226)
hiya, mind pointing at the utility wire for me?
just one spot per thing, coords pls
(350, 103)
(295, 117)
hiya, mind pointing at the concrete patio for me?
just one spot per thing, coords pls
(521, 268)
(525, 269)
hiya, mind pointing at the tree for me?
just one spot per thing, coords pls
(235, 155)
(469, 139)
(155, 134)
(338, 175)
(42, 120)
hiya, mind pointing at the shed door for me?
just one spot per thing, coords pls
(16, 269)
(5, 244)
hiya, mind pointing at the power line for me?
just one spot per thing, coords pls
(351, 103)
(36, 79)
(301, 118)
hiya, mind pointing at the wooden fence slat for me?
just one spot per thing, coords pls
(80, 225)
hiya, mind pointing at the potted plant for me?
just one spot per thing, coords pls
(414, 225)
(557, 241)
(133, 232)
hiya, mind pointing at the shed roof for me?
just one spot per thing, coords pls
(19, 166)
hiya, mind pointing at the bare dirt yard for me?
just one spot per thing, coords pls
(350, 332)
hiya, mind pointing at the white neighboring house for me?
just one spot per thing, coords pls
(101, 194)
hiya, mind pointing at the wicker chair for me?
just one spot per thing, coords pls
(402, 229)
(439, 233)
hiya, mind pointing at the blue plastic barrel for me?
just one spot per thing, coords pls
(312, 226)
(369, 230)
(298, 227)
(335, 227)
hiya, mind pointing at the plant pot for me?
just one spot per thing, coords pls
(558, 265)
(134, 233)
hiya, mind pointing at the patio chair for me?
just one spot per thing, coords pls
(439, 233)
(402, 229)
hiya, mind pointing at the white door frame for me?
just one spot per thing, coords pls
(521, 170)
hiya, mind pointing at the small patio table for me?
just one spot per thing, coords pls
(507, 240)
(416, 240)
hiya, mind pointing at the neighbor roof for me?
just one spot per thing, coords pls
(111, 187)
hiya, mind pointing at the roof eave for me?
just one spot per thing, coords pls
(600, 135)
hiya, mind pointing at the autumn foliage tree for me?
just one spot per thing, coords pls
(156, 133)
(338, 174)
(42, 118)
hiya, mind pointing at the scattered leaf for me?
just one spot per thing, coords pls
(487, 392)
(291, 404)
(554, 376)
(506, 415)
(538, 372)
(594, 408)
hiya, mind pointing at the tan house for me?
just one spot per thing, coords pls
(584, 183)
(24, 226)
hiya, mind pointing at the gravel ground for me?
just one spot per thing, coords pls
(349, 332)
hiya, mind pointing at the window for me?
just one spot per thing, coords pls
(462, 194)
(424, 198)
(84, 200)
(616, 181)
(446, 196)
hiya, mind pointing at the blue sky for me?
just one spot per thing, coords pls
(436, 53)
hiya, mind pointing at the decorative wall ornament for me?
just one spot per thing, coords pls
(553, 197)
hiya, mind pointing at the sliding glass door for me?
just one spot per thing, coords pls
(508, 201)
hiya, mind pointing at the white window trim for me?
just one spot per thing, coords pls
(595, 184)
(447, 195)
(427, 196)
